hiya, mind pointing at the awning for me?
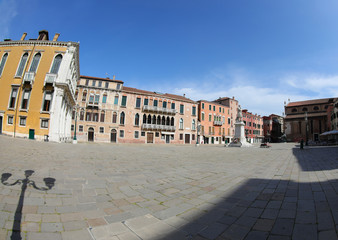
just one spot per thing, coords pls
(333, 132)
(168, 133)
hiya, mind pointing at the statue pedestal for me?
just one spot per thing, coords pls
(239, 139)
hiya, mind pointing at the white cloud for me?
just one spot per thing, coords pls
(7, 13)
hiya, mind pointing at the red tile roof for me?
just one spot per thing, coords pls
(103, 79)
(311, 102)
(157, 94)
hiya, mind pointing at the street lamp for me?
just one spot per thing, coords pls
(75, 139)
(306, 130)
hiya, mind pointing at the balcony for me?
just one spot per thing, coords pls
(147, 108)
(147, 126)
(218, 123)
(50, 79)
(92, 105)
(28, 78)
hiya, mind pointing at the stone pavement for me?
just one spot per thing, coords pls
(126, 192)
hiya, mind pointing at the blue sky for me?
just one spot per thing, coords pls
(263, 52)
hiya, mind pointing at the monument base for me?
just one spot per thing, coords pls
(240, 144)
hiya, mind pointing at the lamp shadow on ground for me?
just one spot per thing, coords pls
(25, 182)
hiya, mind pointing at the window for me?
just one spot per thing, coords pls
(104, 98)
(93, 83)
(12, 99)
(122, 118)
(118, 86)
(116, 100)
(95, 117)
(193, 137)
(100, 84)
(72, 127)
(91, 99)
(80, 128)
(124, 101)
(84, 96)
(97, 99)
(210, 117)
(2, 63)
(22, 65)
(114, 117)
(56, 64)
(181, 123)
(102, 116)
(220, 109)
(194, 111)
(47, 101)
(121, 133)
(136, 134)
(138, 102)
(22, 121)
(10, 120)
(181, 109)
(88, 116)
(181, 136)
(157, 134)
(164, 104)
(25, 99)
(81, 114)
(172, 105)
(316, 108)
(101, 129)
(210, 107)
(137, 119)
(193, 125)
(143, 134)
(294, 110)
(87, 82)
(145, 103)
(107, 85)
(202, 116)
(155, 103)
(214, 108)
(35, 62)
(202, 105)
(229, 121)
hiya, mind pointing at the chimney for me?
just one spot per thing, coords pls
(183, 94)
(43, 35)
(23, 36)
(56, 36)
(113, 77)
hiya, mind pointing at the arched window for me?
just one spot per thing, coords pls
(3, 61)
(316, 108)
(76, 93)
(122, 118)
(114, 117)
(193, 126)
(154, 120)
(82, 114)
(137, 119)
(149, 119)
(181, 123)
(158, 120)
(163, 120)
(84, 96)
(172, 121)
(22, 64)
(304, 109)
(168, 121)
(104, 98)
(35, 62)
(102, 116)
(56, 64)
(294, 110)
(144, 118)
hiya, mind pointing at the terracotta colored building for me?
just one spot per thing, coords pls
(215, 122)
(334, 116)
(253, 126)
(110, 112)
(232, 103)
(273, 128)
(308, 119)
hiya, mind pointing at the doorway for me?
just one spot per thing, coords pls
(187, 138)
(150, 137)
(113, 135)
(167, 138)
(91, 134)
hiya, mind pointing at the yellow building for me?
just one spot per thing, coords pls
(37, 87)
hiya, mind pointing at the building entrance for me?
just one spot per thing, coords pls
(91, 135)
(187, 138)
(113, 135)
(167, 138)
(150, 137)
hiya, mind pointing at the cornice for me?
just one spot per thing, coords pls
(38, 43)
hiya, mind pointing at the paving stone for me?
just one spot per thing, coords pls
(257, 235)
(283, 227)
(264, 225)
(51, 227)
(300, 229)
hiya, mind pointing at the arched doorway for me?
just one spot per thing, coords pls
(91, 134)
(113, 134)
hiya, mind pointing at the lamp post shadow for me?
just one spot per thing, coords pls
(49, 182)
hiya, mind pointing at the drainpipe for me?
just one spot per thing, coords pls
(20, 88)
